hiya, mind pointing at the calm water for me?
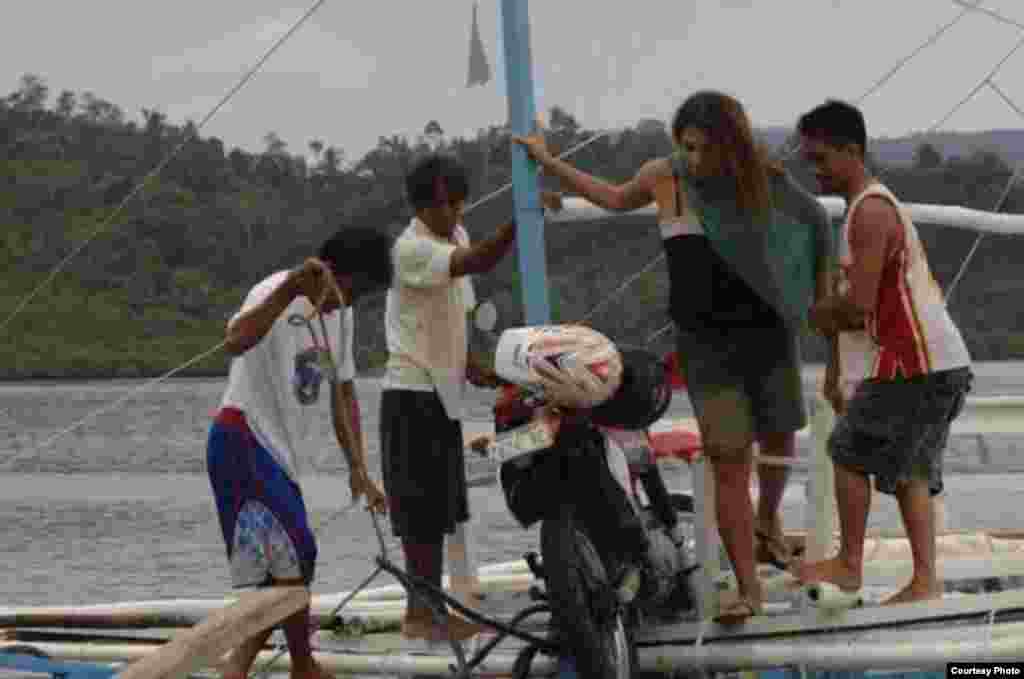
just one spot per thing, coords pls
(120, 508)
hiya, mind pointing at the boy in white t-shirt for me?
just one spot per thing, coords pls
(259, 442)
(428, 367)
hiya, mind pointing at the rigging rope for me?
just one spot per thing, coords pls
(1001, 18)
(111, 406)
(986, 81)
(141, 389)
(999, 203)
(565, 154)
(878, 84)
(978, 239)
(152, 174)
(931, 40)
(109, 221)
(977, 88)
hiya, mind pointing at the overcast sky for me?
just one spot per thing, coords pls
(359, 70)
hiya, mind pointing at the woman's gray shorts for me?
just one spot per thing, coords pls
(743, 383)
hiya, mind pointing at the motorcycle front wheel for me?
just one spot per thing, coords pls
(582, 599)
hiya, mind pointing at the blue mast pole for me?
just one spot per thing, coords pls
(522, 116)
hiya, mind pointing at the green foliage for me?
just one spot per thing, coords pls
(927, 157)
(153, 288)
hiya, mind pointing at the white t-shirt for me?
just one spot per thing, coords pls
(425, 317)
(268, 380)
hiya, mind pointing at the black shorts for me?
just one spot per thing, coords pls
(423, 465)
(897, 429)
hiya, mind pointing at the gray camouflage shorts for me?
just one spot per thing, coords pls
(896, 430)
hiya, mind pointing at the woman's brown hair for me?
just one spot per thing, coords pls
(722, 119)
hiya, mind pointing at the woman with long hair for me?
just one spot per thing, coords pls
(721, 203)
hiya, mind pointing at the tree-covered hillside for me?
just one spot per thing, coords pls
(154, 286)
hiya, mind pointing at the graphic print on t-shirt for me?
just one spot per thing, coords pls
(311, 364)
(307, 376)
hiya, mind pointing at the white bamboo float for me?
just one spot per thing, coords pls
(961, 556)
(575, 209)
(864, 650)
(827, 596)
(981, 416)
(384, 605)
(965, 553)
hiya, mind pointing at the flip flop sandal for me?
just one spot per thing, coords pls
(773, 551)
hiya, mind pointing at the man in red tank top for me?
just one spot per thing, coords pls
(914, 369)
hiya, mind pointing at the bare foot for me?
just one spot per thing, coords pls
(467, 590)
(230, 670)
(834, 571)
(454, 629)
(461, 629)
(315, 671)
(736, 610)
(772, 548)
(913, 592)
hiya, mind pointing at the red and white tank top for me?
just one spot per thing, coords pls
(909, 332)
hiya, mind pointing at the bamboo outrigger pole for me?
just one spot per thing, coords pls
(522, 116)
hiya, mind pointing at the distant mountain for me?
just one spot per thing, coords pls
(900, 150)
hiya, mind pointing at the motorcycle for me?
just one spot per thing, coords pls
(571, 439)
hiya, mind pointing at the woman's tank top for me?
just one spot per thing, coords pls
(703, 290)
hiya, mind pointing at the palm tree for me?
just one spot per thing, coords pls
(317, 147)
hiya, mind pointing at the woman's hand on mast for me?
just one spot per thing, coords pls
(535, 147)
(552, 200)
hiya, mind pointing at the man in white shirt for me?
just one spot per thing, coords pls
(259, 444)
(428, 367)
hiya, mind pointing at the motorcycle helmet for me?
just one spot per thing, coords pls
(643, 395)
(572, 365)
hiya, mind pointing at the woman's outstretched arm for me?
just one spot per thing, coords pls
(638, 192)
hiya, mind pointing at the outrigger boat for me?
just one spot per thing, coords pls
(358, 629)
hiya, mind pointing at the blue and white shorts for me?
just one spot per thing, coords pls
(261, 510)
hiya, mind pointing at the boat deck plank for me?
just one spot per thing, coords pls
(818, 620)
